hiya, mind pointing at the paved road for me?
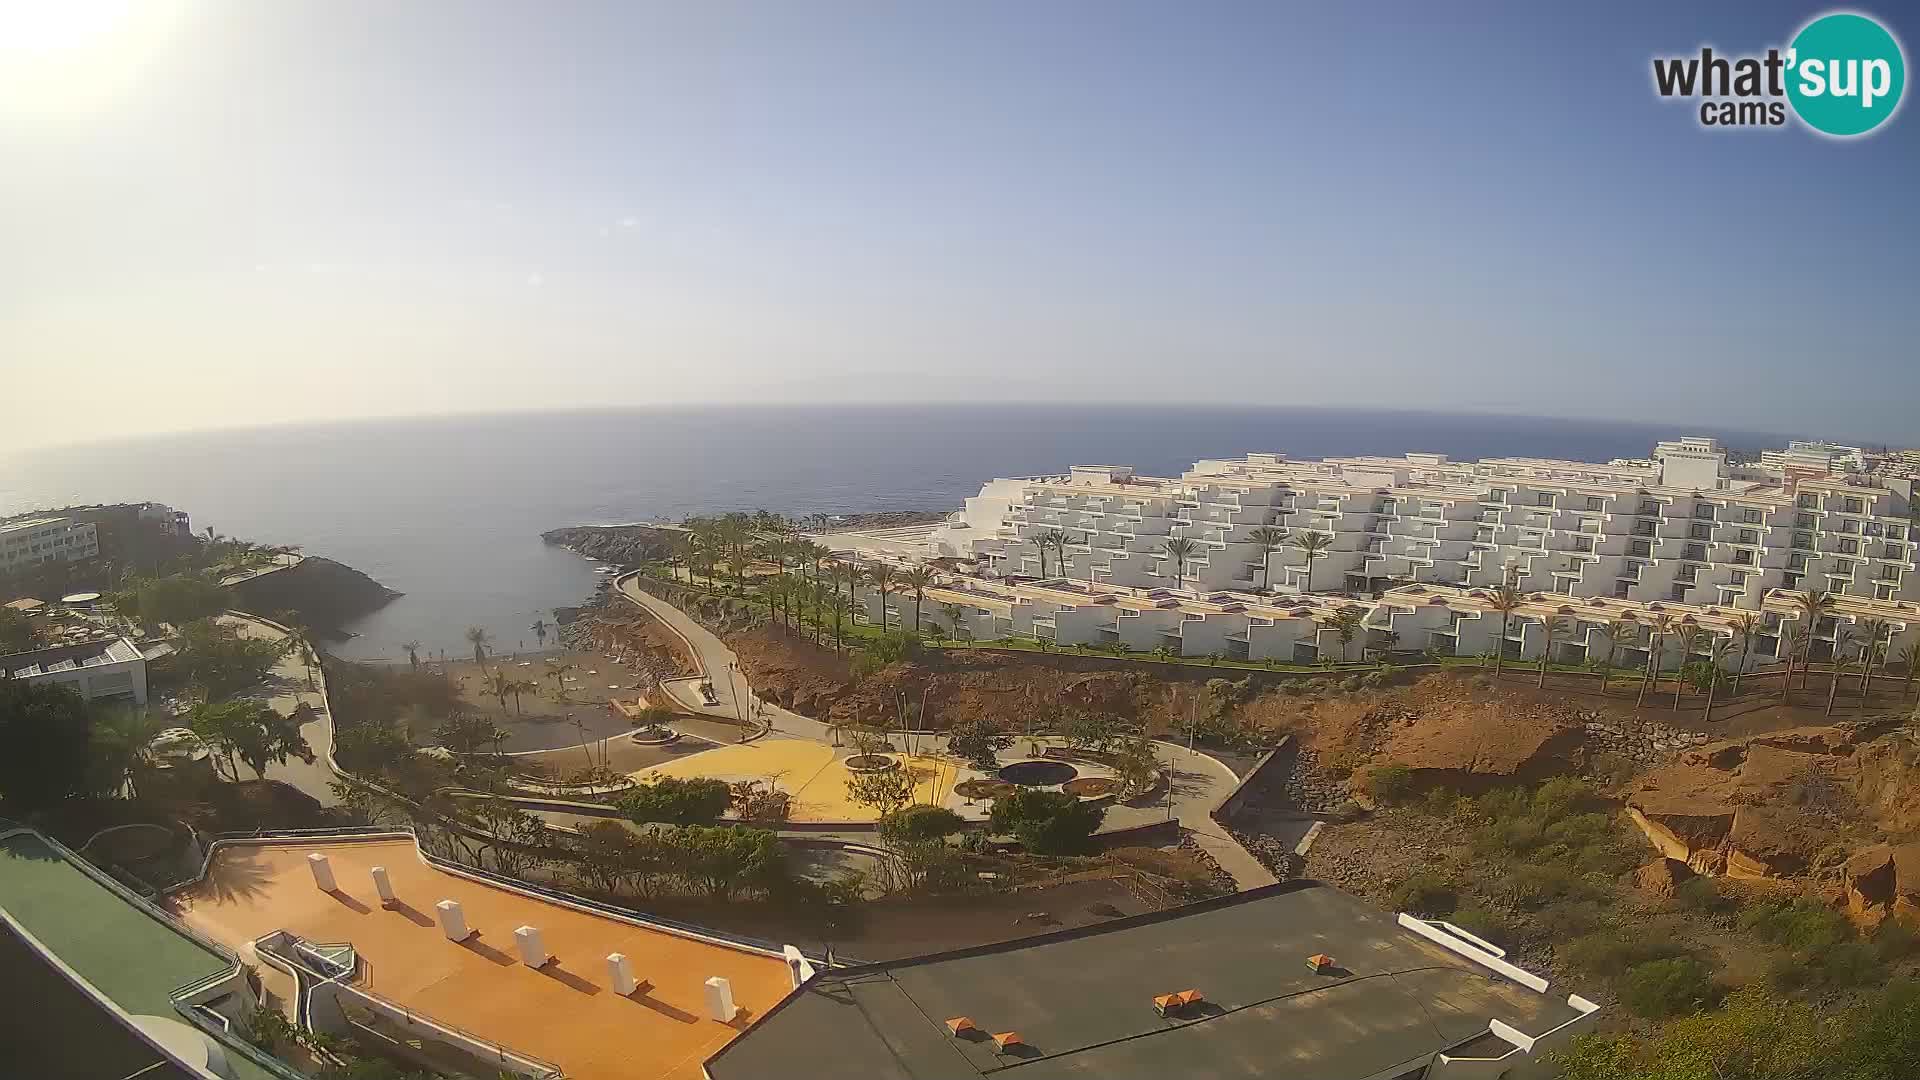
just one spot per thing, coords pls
(286, 689)
(1198, 782)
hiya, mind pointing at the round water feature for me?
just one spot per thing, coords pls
(1038, 773)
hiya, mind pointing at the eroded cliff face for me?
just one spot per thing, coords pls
(1815, 803)
(327, 595)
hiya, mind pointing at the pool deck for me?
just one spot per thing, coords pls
(565, 1012)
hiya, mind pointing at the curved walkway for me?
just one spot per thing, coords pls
(285, 689)
(1197, 783)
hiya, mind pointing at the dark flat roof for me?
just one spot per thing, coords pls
(51, 1028)
(1082, 1001)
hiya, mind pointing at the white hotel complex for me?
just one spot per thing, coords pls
(1417, 542)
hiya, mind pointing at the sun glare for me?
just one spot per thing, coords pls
(58, 56)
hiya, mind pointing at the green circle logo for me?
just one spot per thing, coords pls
(1845, 74)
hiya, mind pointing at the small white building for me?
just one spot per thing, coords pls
(32, 541)
(101, 670)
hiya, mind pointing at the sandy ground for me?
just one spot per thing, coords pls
(543, 718)
(813, 774)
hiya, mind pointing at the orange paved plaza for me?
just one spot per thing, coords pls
(565, 1013)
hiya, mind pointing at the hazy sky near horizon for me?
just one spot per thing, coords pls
(220, 214)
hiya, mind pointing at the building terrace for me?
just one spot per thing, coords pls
(565, 1012)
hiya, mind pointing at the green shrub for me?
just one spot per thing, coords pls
(1843, 966)
(1895, 940)
(1801, 925)
(1439, 802)
(1426, 895)
(674, 800)
(920, 822)
(1534, 886)
(1046, 822)
(1483, 924)
(1674, 986)
(1569, 919)
(1391, 783)
(1702, 895)
(1611, 953)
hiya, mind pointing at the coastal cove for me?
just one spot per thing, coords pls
(449, 511)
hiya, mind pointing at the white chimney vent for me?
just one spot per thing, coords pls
(620, 974)
(383, 885)
(322, 872)
(533, 951)
(720, 1000)
(453, 921)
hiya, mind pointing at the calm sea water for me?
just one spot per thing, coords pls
(450, 510)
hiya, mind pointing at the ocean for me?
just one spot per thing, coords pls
(449, 510)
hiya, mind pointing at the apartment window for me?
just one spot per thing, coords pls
(1894, 551)
(1701, 532)
(1595, 502)
(1743, 558)
(1483, 535)
(1747, 536)
(1703, 510)
(1650, 509)
(1545, 498)
(1883, 592)
(1802, 540)
(1807, 501)
(1590, 525)
(1620, 590)
(1790, 581)
(1851, 505)
(1849, 525)
(1796, 562)
(1889, 573)
(1842, 568)
(1872, 528)
(1750, 516)
(1642, 548)
(1583, 543)
(1632, 570)
(1896, 532)
(1643, 528)
(1849, 547)
(1530, 539)
(1803, 521)
(1679, 593)
(1696, 552)
(1738, 577)
(1497, 495)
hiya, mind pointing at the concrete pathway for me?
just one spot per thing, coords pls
(286, 690)
(1198, 782)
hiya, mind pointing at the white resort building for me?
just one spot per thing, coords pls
(31, 541)
(1415, 544)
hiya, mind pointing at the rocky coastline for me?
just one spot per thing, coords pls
(629, 545)
(325, 593)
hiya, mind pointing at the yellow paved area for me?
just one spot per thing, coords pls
(566, 1013)
(810, 772)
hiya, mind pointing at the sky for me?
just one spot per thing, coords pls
(228, 214)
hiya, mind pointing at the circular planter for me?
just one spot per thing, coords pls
(1090, 787)
(983, 789)
(871, 763)
(1038, 772)
(643, 737)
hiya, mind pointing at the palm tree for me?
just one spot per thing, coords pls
(1180, 549)
(1555, 626)
(499, 685)
(1688, 635)
(1618, 633)
(691, 544)
(1813, 604)
(1506, 599)
(1052, 538)
(1656, 638)
(1269, 540)
(842, 613)
(478, 637)
(1312, 545)
(558, 673)
(1878, 634)
(1717, 651)
(1746, 627)
(516, 687)
(1841, 665)
(1346, 622)
(1797, 643)
(917, 579)
(882, 577)
(854, 575)
(413, 654)
(539, 629)
(1907, 657)
(301, 645)
(954, 613)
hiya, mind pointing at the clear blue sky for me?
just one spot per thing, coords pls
(254, 212)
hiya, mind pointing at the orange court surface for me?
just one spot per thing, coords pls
(565, 1012)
